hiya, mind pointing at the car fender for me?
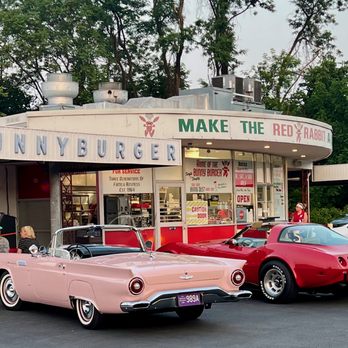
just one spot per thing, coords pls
(290, 267)
(82, 290)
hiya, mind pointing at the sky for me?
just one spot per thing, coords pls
(258, 34)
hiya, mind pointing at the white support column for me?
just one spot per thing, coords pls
(55, 198)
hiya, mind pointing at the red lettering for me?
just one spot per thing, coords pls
(199, 172)
(283, 130)
(214, 172)
(276, 129)
(243, 199)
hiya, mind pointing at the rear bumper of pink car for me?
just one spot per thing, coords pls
(167, 300)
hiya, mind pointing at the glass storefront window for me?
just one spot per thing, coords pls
(208, 184)
(270, 186)
(209, 208)
(128, 196)
(278, 178)
(134, 210)
(79, 201)
(170, 204)
(264, 201)
(244, 186)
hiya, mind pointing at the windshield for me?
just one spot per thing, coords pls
(312, 234)
(111, 235)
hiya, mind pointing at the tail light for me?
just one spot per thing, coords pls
(342, 261)
(237, 277)
(136, 286)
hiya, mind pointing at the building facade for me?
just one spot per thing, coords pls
(175, 168)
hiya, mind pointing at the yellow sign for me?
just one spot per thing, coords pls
(197, 212)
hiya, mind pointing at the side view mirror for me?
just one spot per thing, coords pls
(148, 245)
(43, 250)
(34, 250)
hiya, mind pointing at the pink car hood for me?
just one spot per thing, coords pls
(157, 268)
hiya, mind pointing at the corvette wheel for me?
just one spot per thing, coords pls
(277, 283)
(189, 313)
(89, 316)
(8, 294)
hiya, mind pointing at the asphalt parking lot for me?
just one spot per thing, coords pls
(309, 322)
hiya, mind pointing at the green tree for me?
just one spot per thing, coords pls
(172, 38)
(217, 32)
(312, 42)
(93, 39)
(12, 99)
(324, 94)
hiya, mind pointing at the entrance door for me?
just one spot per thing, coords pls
(170, 213)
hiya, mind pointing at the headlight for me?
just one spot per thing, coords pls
(136, 286)
(237, 277)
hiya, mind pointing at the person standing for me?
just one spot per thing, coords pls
(27, 239)
(300, 215)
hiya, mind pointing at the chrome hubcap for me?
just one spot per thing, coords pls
(87, 309)
(9, 291)
(274, 282)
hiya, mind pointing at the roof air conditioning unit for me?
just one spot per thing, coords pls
(231, 82)
(252, 88)
(217, 81)
(110, 92)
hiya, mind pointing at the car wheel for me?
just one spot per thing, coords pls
(277, 283)
(89, 316)
(190, 313)
(8, 294)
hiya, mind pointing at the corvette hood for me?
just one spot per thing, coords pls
(158, 268)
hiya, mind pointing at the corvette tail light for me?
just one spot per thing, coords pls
(237, 277)
(342, 261)
(136, 286)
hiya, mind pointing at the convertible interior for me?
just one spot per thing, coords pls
(82, 251)
(250, 242)
(96, 240)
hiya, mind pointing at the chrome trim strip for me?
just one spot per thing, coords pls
(166, 300)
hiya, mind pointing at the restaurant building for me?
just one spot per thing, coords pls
(188, 168)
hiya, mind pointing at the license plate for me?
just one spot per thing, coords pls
(191, 299)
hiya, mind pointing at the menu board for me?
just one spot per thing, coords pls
(208, 176)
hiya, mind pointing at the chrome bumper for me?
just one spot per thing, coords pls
(168, 300)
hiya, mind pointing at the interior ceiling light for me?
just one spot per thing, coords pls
(294, 150)
(267, 147)
(209, 143)
(303, 156)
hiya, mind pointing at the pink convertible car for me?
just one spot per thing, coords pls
(101, 269)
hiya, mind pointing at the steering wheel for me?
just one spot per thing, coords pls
(247, 242)
(76, 253)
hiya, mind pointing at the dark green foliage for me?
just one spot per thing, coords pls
(217, 34)
(325, 98)
(326, 215)
(12, 99)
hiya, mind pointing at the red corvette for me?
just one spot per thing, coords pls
(282, 258)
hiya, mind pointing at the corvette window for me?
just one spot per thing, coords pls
(311, 234)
